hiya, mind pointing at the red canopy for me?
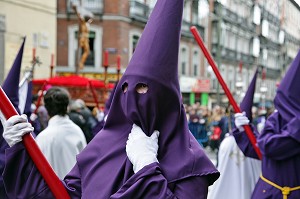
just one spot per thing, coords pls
(73, 80)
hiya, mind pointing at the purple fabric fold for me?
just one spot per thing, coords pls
(11, 88)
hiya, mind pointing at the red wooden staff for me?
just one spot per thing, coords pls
(34, 152)
(105, 65)
(94, 95)
(39, 100)
(225, 88)
(118, 66)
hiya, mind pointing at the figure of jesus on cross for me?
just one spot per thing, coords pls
(85, 18)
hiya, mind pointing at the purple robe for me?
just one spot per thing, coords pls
(280, 147)
(149, 182)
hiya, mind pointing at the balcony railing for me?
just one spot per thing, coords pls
(291, 38)
(95, 6)
(139, 11)
(272, 73)
(245, 58)
(268, 43)
(232, 55)
(270, 17)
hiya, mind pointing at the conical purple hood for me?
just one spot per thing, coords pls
(287, 100)
(11, 83)
(156, 54)
(247, 103)
(154, 66)
(11, 88)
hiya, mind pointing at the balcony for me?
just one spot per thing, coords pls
(268, 43)
(291, 38)
(229, 54)
(245, 58)
(272, 73)
(232, 17)
(139, 11)
(225, 13)
(185, 29)
(270, 17)
(226, 53)
(94, 6)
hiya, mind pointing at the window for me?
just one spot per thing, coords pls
(90, 61)
(187, 11)
(195, 12)
(93, 62)
(196, 65)
(135, 40)
(134, 36)
(184, 60)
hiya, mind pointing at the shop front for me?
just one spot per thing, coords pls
(195, 90)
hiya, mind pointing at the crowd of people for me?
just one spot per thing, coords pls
(209, 126)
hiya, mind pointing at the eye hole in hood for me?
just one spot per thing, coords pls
(125, 87)
(141, 88)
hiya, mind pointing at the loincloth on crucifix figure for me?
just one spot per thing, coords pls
(85, 18)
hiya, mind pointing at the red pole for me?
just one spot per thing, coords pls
(35, 153)
(94, 95)
(118, 66)
(225, 88)
(105, 65)
(38, 103)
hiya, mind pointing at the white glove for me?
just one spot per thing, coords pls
(33, 117)
(15, 127)
(141, 149)
(240, 121)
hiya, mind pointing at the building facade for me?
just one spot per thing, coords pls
(247, 35)
(116, 28)
(34, 20)
(241, 35)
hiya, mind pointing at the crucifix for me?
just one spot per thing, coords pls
(84, 18)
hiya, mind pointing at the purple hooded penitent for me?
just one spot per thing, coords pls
(154, 63)
(103, 169)
(287, 99)
(11, 88)
(279, 141)
(247, 103)
(11, 83)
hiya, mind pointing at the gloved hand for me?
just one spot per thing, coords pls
(15, 127)
(141, 149)
(33, 117)
(240, 120)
